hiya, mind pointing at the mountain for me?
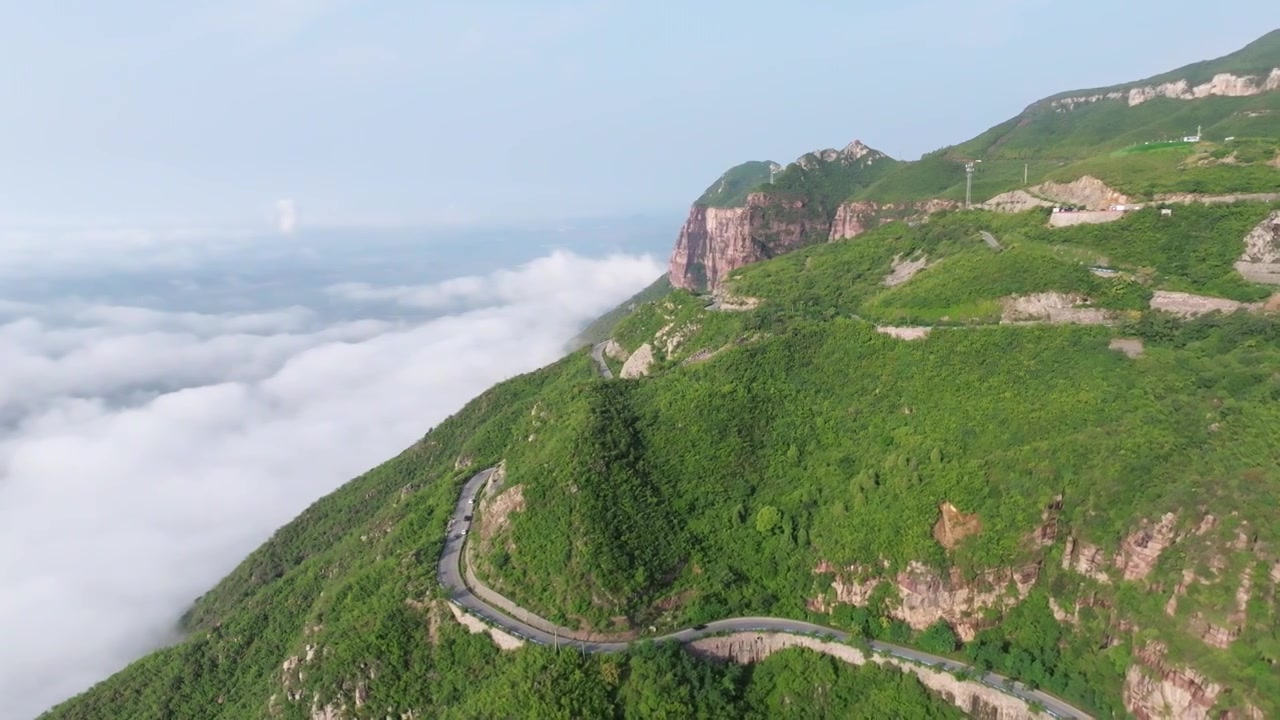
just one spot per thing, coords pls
(1129, 136)
(1029, 441)
(745, 216)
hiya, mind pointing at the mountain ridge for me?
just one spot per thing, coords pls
(1047, 141)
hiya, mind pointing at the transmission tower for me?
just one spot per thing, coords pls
(968, 182)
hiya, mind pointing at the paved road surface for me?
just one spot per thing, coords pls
(597, 354)
(990, 240)
(450, 575)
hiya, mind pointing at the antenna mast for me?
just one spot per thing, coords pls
(968, 182)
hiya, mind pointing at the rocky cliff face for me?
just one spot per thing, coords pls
(1157, 690)
(1222, 84)
(927, 595)
(854, 218)
(715, 241)
(775, 219)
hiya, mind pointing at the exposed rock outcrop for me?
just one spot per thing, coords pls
(503, 639)
(1053, 307)
(639, 363)
(715, 241)
(927, 596)
(615, 350)
(1132, 347)
(1260, 261)
(854, 218)
(672, 337)
(954, 526)
(495, 512)
(1222, 84)
(1087, 191)
(1084, 217)
(904, 270)
(1141, 549)
(905, 333)
(1014, 201)
(1189, 305)
(1084, 558)
(727, 301)
(974, 698)
(1157, 690)
(1135, 559)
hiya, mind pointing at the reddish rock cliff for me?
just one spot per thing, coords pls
(854, 218)
(715, 241)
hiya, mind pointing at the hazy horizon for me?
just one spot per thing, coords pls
(343, 112)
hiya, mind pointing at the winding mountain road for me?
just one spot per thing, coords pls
(597, 355)
(532, 628)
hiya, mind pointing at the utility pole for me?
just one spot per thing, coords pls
(968, 182)
(1025, 167)
(774, 169)
(555, 637)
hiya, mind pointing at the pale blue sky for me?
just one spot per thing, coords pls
(419, 111)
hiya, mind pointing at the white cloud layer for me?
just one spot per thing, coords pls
(144, 453)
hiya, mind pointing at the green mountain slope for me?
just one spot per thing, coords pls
(732, 188)
(1049, 138)
(1257, 58)
(1052, 479)
(810, 440)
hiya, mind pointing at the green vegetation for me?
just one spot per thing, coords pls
(968, 285)
(1258, 57)
(1050, 142)
(631, 534)
(827, 183)
(1194, 250)
(1033, 646)
(464, 676)
(753, 451)
(1180, 168)
(732, 188)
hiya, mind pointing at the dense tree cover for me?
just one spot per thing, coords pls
(631, 534)
(1194, 249)
(825, 184)
(828, 441)
(459, 675)
(1031, 645)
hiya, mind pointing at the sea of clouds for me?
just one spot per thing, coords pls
(146, 447)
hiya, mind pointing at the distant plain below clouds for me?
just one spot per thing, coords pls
(144, 451)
